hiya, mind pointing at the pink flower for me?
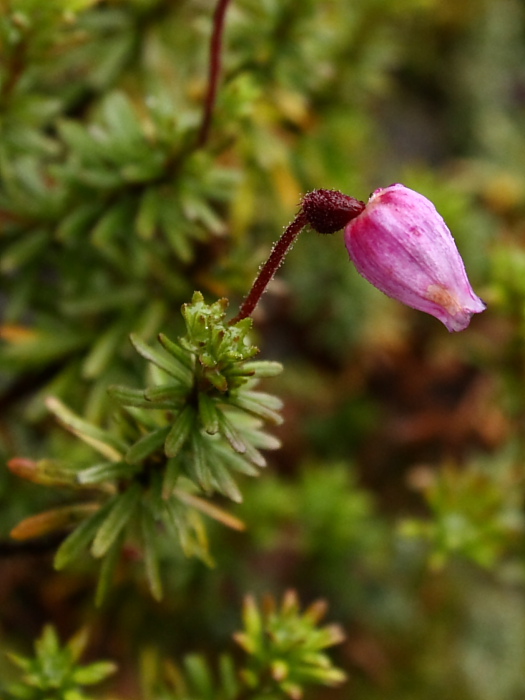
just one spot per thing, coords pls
(402, 246)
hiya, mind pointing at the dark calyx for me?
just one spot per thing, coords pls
(328, 211)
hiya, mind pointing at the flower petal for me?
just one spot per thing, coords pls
(402, 246)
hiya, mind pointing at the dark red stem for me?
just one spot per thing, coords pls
(271, 266)
(215, 69)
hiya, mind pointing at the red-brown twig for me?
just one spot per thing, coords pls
(271, 266)
(215, 70)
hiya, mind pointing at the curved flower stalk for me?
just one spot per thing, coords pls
(178, 440)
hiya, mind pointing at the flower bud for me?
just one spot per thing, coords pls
(403, 247)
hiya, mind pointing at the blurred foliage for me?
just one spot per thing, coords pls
(55, 671)
(398, 491)
(283, 645)
(476, 513)
(284, 649)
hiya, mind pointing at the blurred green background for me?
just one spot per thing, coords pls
(398, 492)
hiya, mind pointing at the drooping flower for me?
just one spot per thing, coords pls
(400, 244)
(397, 241)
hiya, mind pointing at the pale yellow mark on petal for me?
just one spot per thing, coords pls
(442, 297)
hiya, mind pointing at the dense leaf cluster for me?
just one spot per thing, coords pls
(179, 439)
